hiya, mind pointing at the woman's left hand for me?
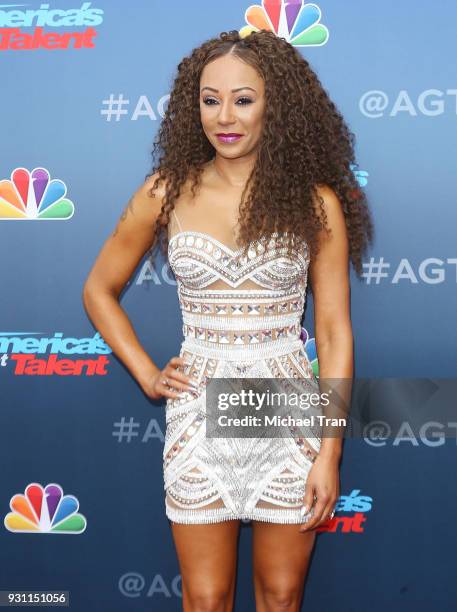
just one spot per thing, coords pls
(323, 482)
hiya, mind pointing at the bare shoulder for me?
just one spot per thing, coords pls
(333, 245)
(328, 204)
(144, 205)
(131, 239)
(149, 189)
(331, 202)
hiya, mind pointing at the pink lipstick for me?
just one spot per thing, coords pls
(227, 138)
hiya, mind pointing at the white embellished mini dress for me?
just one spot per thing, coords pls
(241, 318)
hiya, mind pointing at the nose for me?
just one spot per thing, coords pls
(226, 115)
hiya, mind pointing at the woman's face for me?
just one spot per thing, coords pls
(232, 103)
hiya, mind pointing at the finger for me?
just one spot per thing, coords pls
(173, 367)
(317, 515)
(325, 515)
(180, 381)
(312, 518)
(330, 508)
(307, 510)
(308, 499)
(166, 390)
(179, 361)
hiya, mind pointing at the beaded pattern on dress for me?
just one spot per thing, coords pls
(234, 331)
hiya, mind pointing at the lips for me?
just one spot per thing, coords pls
(231, 137)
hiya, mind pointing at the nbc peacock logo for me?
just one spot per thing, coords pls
(45, 510)
(310, 348)
(33, 196)
(297, 22)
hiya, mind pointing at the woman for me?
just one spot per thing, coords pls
(252, 191)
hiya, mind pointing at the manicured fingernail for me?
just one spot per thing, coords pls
(304, 510)
(193, 383)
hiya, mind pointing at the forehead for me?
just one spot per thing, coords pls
(228, 72)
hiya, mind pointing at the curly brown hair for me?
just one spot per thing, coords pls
(305, 144)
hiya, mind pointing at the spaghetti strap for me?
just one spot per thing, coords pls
(176, 217)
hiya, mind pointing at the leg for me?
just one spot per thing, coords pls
(207, 557)
(281, 557)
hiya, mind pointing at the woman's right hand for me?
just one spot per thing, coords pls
(170, 382)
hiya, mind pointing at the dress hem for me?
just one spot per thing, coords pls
(219, 515)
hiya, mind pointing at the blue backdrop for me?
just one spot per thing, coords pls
(84, 90)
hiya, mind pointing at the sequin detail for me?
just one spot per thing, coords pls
(234, 331)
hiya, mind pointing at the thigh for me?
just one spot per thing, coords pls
(207, 556)
(281, 556)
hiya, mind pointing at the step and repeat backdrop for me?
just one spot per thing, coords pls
(84, 90)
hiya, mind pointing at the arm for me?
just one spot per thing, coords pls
(329, 278)
(116, 262)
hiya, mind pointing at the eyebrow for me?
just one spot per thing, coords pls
(233, 90)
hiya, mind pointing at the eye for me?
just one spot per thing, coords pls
(240, 102)
(244, 100)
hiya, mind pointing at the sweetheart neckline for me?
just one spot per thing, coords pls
(218, 242)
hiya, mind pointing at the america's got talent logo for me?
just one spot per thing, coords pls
(37, 354)
(80, 21)
(351, 514)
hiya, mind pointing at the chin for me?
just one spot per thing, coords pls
(232, 154)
